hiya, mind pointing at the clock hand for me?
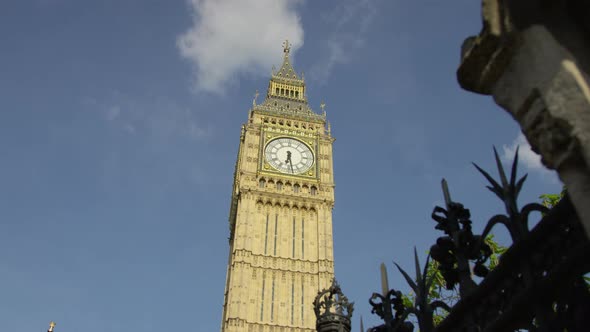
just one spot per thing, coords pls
(289, 161)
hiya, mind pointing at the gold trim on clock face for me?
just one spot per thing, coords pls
(289, 155)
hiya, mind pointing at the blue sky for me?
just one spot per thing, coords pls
(119, 128)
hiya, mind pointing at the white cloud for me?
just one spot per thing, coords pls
(167, 120)
(158, 118)
(113, 112)
(336, 55)
(233, 37)
(526, 157)
(160, 139)
(350, 21)
(130, 129)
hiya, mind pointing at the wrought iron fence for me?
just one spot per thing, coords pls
(538, 284)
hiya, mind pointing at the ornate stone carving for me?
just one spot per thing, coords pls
(532, 56)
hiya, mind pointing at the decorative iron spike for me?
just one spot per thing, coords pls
(514, 168)
(495, 187)
(453, 251)
(417, 267)
(421, 308)
(384, 280)
(446, 194)
(515, 220)
(503, 179)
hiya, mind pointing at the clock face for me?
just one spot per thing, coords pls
(288, 155)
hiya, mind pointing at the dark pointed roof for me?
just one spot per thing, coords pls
(287, 71)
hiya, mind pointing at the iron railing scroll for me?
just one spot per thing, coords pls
(538, 284)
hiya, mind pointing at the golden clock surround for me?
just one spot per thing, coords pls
(310, 142)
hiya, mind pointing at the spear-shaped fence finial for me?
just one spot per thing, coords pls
(384, 280)
(446, 194)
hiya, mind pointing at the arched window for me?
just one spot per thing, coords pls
(296, 94)
(279, 185)
(261, 183)
(314, 190)
(277, 91)
(296, 188)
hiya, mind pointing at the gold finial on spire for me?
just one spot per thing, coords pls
(322, 105)
(51, 326)
(255, 97)
(286, 47)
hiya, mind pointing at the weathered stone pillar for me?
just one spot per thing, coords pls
(533, 57)
(332, 310)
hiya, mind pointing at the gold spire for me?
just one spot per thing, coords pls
(286, 84)
(286, 71)
(51, 326)
(286, 91)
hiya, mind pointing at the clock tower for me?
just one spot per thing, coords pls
(280, 222)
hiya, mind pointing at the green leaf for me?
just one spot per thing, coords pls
(428, 277)
(407, 301)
